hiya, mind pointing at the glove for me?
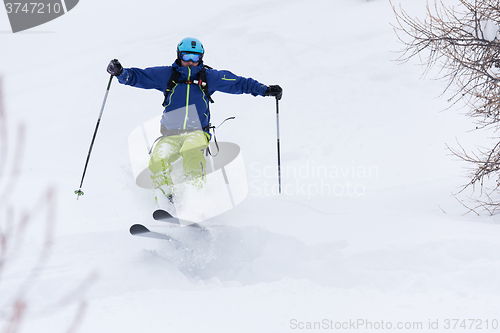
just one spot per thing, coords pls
(115, 68)
(275, 91)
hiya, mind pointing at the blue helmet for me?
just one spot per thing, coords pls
(191, 45)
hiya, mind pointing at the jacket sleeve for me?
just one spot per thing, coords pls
(227, 82)
(149, 78)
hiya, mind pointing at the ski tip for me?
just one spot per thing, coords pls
(161, 214)
(140, 230)
(137, 229)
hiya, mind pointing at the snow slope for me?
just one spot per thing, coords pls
(367, 229)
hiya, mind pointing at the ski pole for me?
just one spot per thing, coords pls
(79, 192)
(278, 142)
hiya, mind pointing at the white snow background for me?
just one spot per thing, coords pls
(378, 237)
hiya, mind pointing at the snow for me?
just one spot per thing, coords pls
(367, 229)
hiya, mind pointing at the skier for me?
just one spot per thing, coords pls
(187, 86)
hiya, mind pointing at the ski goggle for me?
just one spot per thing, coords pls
(194, 57)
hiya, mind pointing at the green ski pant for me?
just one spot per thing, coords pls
(190, 146)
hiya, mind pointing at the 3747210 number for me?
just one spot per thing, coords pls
(477, 324)
(33, 8)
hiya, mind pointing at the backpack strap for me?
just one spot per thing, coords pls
(172, 82)
(202, 82)
(203, 79)
(213, 128)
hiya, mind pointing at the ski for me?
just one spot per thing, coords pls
(140, 230)
(164, 216)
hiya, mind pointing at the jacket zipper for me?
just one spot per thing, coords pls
(187, 97)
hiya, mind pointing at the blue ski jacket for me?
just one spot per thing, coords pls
(187, 107)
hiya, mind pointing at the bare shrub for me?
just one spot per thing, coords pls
(463, 42)
(14, 226)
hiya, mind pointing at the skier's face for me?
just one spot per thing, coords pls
(189, 63)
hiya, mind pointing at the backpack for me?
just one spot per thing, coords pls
(202, 82)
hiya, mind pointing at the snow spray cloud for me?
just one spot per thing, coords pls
(311, 180)
(25, 15)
